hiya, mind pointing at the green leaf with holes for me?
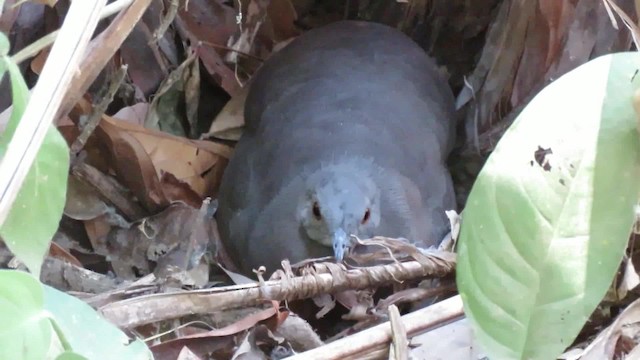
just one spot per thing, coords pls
(548, 219)
(37, 210)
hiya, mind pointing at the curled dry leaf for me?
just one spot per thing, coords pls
(535, 43)
(243, 40)
(281, 19)
(141, 156)
(147, 64)
(630, 279)
(229, 123)
(82, 202)
(604, 346)
(165, 112)
(211, 23)
(175, 239)
(359, 302)
(58, 252)
(260, 338)
(204, 342)
(97, 230)
(133, 114)
(187, 256)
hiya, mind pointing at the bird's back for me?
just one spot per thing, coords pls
(354, 89)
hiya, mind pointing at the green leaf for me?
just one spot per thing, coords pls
(26, 330)
(68, 355)
(87, 333)
(540, 242)
(36, 212)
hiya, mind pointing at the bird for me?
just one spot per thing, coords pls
(347, 132)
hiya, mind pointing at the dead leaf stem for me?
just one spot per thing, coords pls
(152, 308)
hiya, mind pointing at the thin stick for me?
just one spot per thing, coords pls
(152, 308)
(399, 344)
(378, 337)
(98, 111)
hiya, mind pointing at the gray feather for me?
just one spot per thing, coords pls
(351, 104)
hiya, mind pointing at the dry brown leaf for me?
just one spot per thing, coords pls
(176, 190)
(56, 251)
(175, 239)
(171, 349)
(165, 112)
(134, 114)
(282, 17)
(533, 64)
(558, 14)
(229, 122)
(132, 164)
(359, 302)
(630, 279)
(185, 261)
(82, 203)
(142, 156)
(204, 342)
(186, 159)
(100, 52)
(147, 65)
(210, 22)
(97, 230)
(191, 80)
(260, 338)
(604, 346)
(187, 354)
(243, 40)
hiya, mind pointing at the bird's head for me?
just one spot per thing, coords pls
(337, 205)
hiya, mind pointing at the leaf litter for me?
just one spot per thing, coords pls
(138, 231)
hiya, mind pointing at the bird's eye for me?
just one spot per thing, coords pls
(316, 211)
(366, 216)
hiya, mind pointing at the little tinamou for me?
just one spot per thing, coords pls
(347, 130)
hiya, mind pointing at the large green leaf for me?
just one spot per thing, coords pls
(36, 212)
(87, 333)
(548, 219)
(26, 331)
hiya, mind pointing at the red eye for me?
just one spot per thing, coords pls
(366, 216)
(316, 211)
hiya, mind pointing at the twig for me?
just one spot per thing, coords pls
(101, 50)
(399, 343)
(378, 337)
(166, 21)
(227, 48)
(46, 98)
(98, 111)
(108, 191)
(69, 277)
(152, 308)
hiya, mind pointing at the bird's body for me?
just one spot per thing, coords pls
(347, 131)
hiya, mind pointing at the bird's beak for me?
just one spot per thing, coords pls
(340, 241)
